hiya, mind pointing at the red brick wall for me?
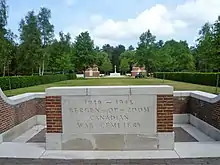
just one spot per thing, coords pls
(133, 73)
(40, 106)
(181, 104)
(95, 74)
(208, 112)
(54, 114)
(165, 109)
(11, 116)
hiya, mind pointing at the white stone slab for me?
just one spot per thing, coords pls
(20, 150)
(29, 134)
(151, 154)
(166, 140)
(80, 75)
(115, 74)
(21, 98)
(208, 97)
(196, 133)
(181, 93)
(152, 90)
(39, 145)
(19, 129)
(109, 114)
(211, 131)
(53, 141)
(41, 119)
(180, 118)
(66, 91)
(109, 90)
(198, 150)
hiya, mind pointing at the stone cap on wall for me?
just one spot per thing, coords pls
(110, 90)
(208, 97)
(21, 98)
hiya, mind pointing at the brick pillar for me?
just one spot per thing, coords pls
(54, 122)
(165, 110)
(54, 114)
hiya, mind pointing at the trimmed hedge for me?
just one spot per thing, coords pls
(26, 81)
(209, 79)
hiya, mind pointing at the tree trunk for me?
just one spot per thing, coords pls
(32, 71)
(39, 71)
(42, 68)
(9, 80)
(4, 68)
(84, 72)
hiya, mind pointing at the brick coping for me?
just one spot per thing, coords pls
(204, 96)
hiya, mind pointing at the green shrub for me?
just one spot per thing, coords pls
(71, 76)
(209, 79)
(7, 83)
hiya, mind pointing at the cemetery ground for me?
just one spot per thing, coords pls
(193, 145)
(178, 86)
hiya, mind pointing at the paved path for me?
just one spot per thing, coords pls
(201, 161)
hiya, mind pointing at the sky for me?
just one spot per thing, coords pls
(122, 21)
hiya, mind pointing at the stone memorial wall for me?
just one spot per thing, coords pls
(21, 112)
(110, 118)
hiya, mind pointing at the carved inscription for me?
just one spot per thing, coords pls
(111, 114)
(109, 102)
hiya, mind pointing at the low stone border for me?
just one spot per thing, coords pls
(192, 108)
(208, 97)
(199, 161)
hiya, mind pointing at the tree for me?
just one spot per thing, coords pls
(47, 35)
(38, 51)
(4, 55)
(62, 54)
(64, 63)
(130, 56)
(145, 53)
(30, 47)
(160, 44)
(3, 16)
(10, 46)
(106, 66)
(124, 65)
(109, 50)
(85, 53)
(130, 48)
(164, 60)
(205, 48)
(176, 56)
(117, 51)
(100, 57)
(216, 55)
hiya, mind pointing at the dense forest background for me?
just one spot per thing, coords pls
(36, 50)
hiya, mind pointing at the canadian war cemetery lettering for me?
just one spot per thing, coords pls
(116, 114)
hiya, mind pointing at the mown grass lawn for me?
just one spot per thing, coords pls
(114, 82)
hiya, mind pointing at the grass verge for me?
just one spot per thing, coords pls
(114, 82)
